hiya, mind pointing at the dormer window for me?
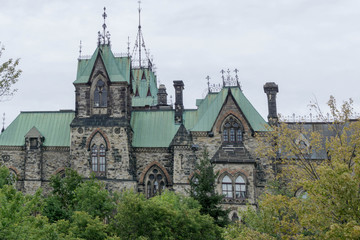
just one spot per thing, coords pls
(33, 143)
(232, 131)
(100, 94)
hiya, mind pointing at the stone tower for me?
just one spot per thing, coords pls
(271, 89)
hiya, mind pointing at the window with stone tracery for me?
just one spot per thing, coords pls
(232, 131)
(100, 94)
(155, 182)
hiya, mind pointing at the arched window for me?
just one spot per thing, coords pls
(98, 158)
(240, 187)
(100, 94)
(155, 182)
(233, 187)
(232, 131)
(227, 187)
(235, 217)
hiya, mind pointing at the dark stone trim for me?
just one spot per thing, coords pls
(100, 120)
(151, 149)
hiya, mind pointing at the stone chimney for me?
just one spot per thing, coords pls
(162, 95)
(179, 105)
(271, 89)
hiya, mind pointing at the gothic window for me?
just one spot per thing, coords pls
(100, 94)
(232, 131)
(233, 189)
(240, 187)
(155, 182)
(235, 217)
(98, 158)
(227, 187)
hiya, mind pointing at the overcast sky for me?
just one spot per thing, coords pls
(310, 48)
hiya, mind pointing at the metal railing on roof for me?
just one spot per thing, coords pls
(313, 118)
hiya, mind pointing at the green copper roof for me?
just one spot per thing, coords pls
(117, 68)
(153, 128)
(54, 126)
(209, 108)
(144, 80)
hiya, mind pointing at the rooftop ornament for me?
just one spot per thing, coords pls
(227, 81)
(104, 38)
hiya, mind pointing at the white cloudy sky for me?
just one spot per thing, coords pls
(310, 48)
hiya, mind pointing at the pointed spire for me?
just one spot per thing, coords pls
(140, 61)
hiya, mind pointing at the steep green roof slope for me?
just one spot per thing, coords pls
(209, 109)
(118, 68)
(144, 80)
(54, 126)
(153, 128)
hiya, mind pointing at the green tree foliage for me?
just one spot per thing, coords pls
(5, 177)
(92, 197)
(60, 203)
(168, 216)
(202, 188)
(330, 208)
(9, 75)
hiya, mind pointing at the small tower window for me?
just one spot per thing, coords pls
(100, 94)
(33, 143)
(232, 131)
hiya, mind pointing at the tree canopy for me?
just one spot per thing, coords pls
(9, 75)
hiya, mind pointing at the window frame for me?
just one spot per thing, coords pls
(98, 159)
(238, 189)
(155, 185)
(232, 131)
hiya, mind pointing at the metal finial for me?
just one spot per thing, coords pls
(3, 128)
(222, 76)
(104, 38)
(208, 82)
(128, 47)
(80, 47)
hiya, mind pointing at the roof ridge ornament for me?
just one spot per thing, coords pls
(227, 81)
(3, 118)
(104, 38)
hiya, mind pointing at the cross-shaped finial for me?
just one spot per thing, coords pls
(208, 82)
(80, 49)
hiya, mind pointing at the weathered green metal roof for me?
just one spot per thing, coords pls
(142, 86)
(209, 109)
(54, 126)
(117, 68)
(153, 128)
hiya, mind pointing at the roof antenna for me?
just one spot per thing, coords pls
(80, 47)
(3, 128)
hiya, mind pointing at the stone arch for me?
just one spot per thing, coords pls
(220, 121)
(233, 173)
(149, 166)
(15, 171)
(102, 134)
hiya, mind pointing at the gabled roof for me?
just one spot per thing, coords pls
(209, 108)
(117, 68)
(54, 126)
(143, 85)
(33, 132)
(153, 128)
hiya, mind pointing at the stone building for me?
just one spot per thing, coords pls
(124, 130)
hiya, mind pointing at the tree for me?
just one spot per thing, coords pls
(202, 189)
(9, 75)
(166, 216)
(330, 207)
